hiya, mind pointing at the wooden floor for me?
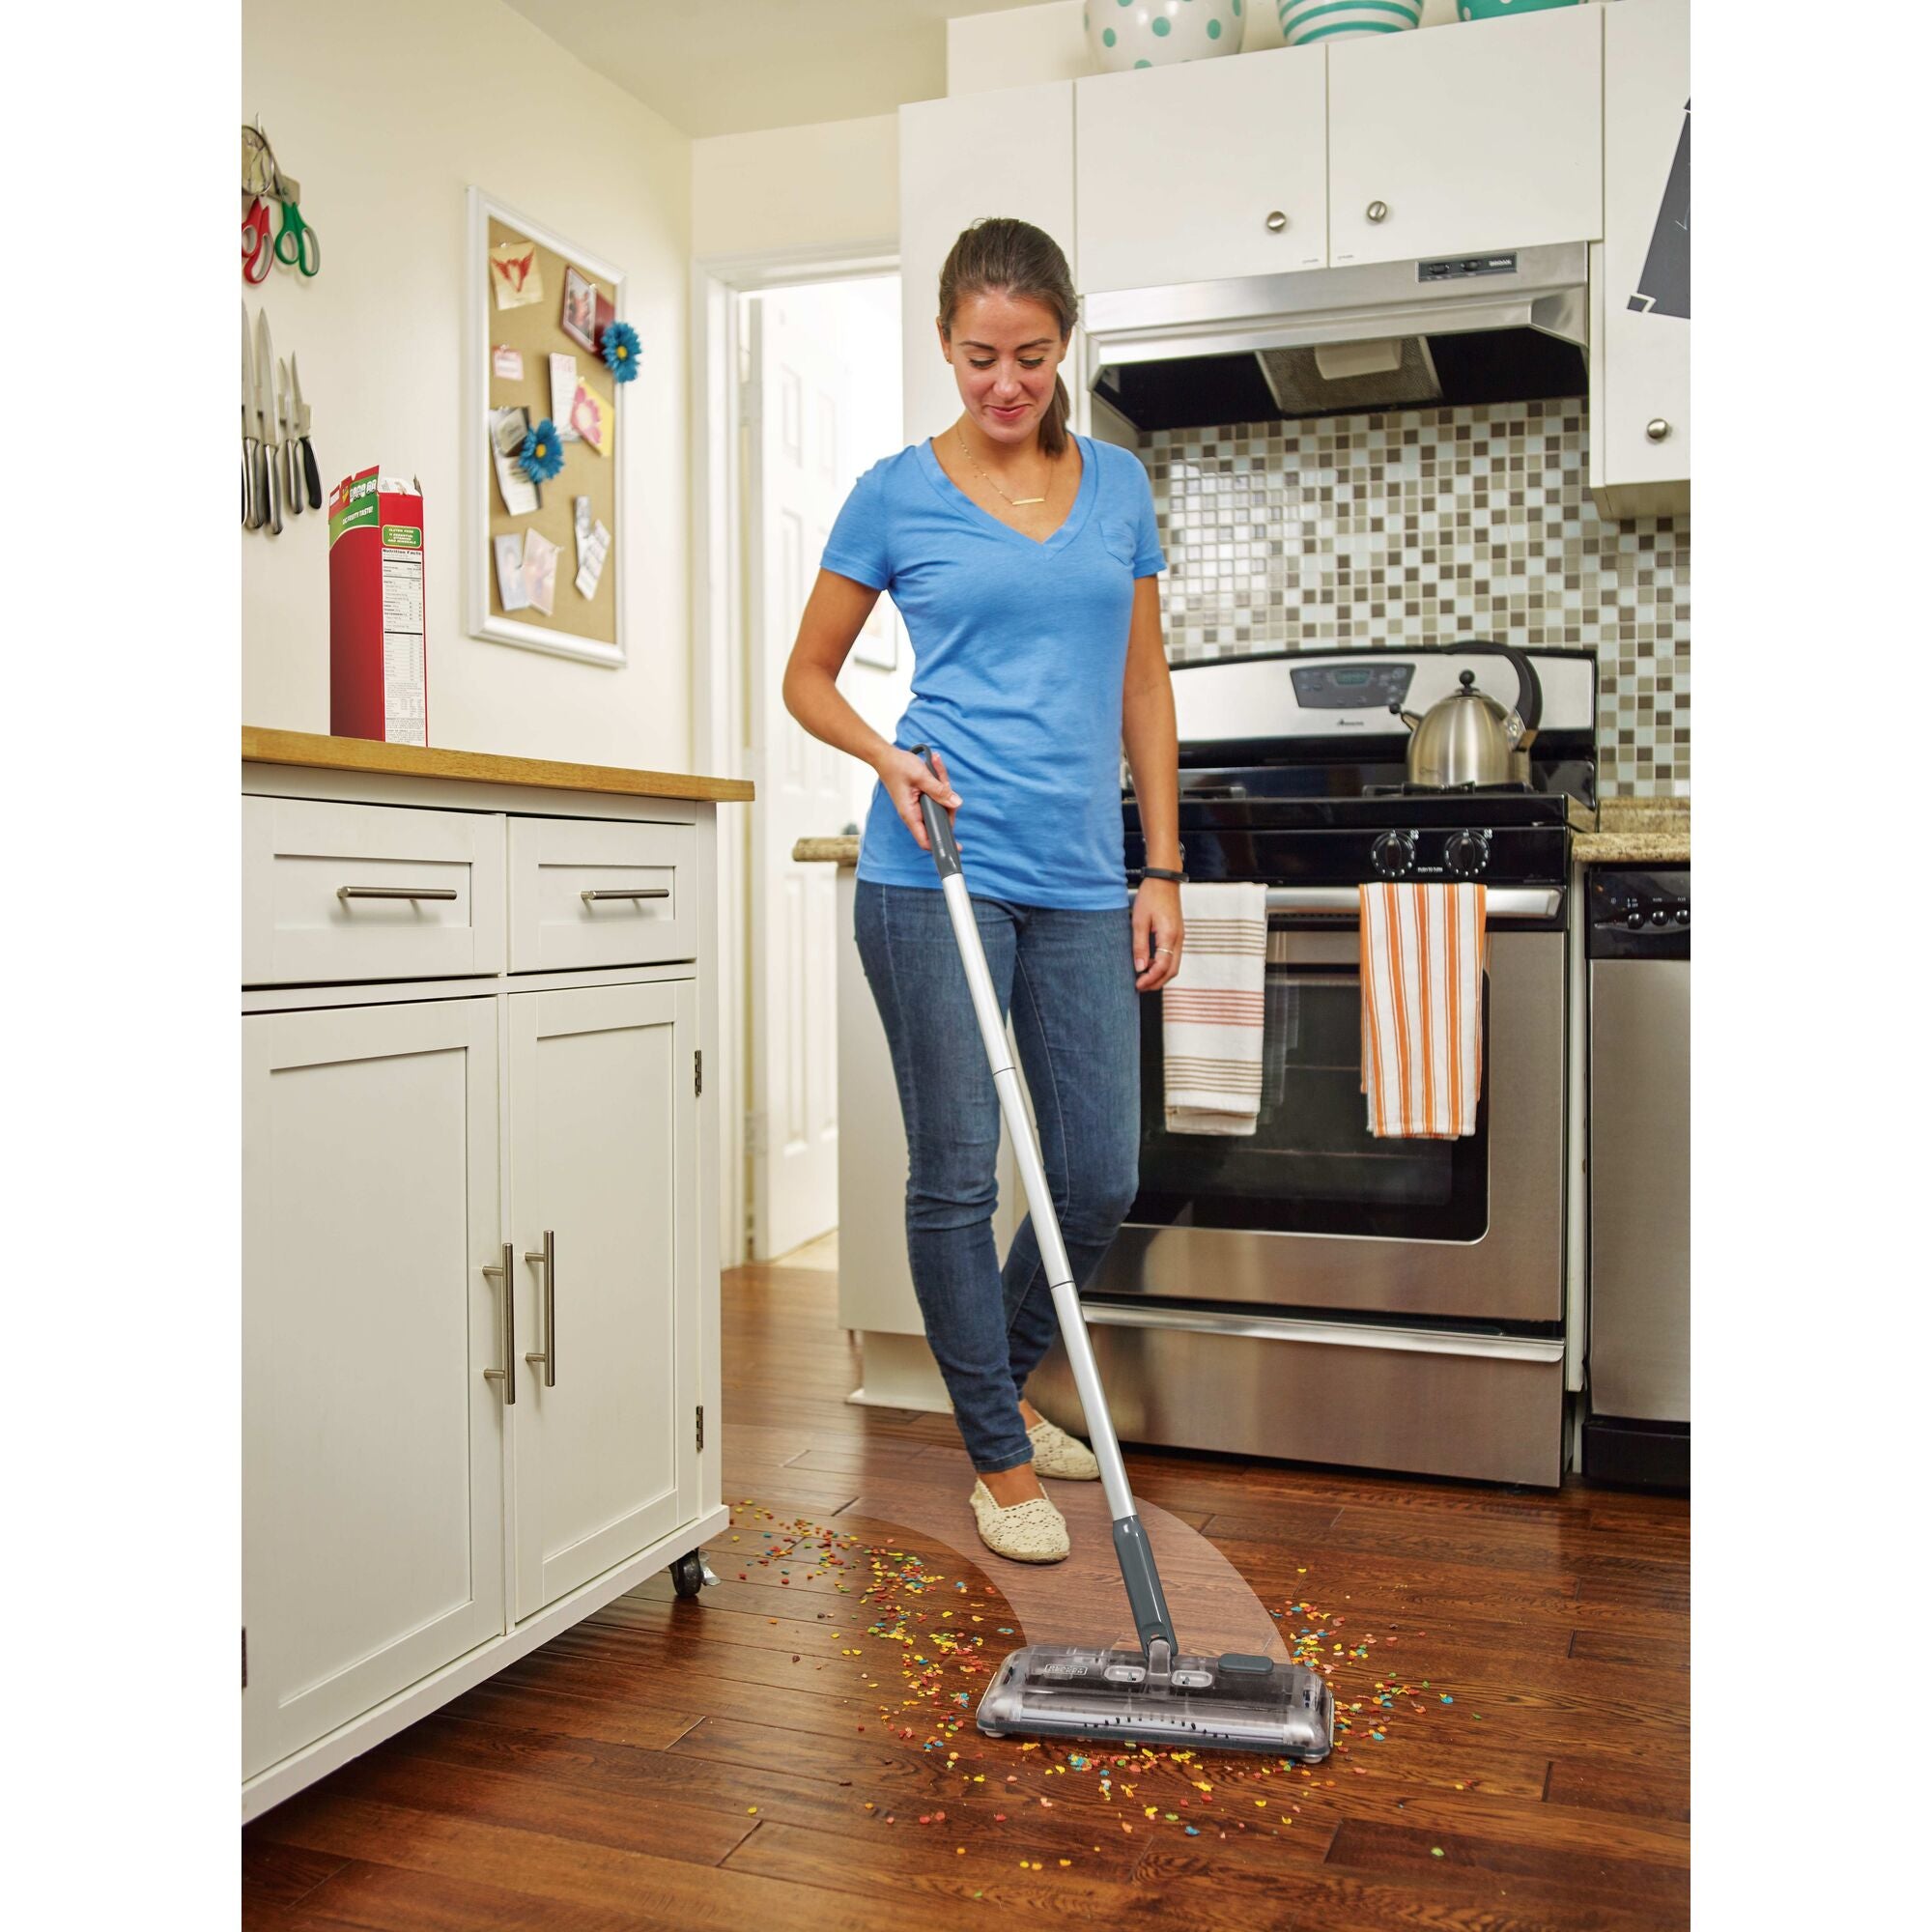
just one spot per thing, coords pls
(795, 1747)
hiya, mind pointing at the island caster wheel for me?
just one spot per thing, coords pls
(687, 1572)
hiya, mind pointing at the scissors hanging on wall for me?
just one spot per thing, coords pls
(295, 243)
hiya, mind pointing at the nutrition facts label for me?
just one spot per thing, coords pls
(403, 706)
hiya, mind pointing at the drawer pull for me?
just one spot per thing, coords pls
(503, 1272)
(395, 891)
(626, 893)
(546, 1256)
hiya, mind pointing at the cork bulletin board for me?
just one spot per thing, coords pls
(529, 334)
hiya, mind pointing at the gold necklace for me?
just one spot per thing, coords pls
(1018, 502)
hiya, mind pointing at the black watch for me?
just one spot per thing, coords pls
(1162, 872)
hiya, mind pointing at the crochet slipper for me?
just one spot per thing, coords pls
(1030, 1532)
(1055, 1453)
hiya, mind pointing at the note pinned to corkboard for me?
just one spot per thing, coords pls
(531, 357)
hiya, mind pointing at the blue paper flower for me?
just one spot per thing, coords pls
(542, 454)
(620, 350)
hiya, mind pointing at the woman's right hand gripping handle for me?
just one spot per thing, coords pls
(924, 797)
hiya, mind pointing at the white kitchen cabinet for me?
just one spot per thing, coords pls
(1009, 151)
(1639, 278)
(371, 1445)
(453, 1452)
(1468, 137)
(1200, 172)
(603, 1217)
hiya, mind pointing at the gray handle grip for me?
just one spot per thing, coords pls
(938, 827)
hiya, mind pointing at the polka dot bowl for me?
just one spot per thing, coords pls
(1501, 10)
(1313, 23)
(1161, 33)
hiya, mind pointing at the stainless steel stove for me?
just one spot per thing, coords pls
(1310, 1292)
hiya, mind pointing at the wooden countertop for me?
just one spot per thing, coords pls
(370, 755)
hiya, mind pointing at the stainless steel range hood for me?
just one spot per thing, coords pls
(1505, 327)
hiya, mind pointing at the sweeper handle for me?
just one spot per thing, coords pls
(938, 827)
(1145, 1596)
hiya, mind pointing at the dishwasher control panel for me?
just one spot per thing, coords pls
(1639, 912)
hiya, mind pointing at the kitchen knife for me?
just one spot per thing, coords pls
(292, 482)
(264, 412)
(251, 499)
(310, 474)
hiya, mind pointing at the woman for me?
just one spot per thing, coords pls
(1024, 561)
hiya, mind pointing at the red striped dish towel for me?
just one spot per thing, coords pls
(1211, 1011)
(1424, 948)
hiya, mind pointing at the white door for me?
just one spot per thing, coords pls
(1199, 172)
(1474, 135)
(372, 1467)
(1643, 406)
(603, 1182)
(798, 407)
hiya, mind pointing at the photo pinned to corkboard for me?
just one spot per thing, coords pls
(546, 507)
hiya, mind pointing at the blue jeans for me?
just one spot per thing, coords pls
(1066, 980)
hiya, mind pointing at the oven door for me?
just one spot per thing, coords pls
(1311, 1212)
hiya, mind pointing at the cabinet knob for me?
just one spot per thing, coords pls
(1657, 429)
(1276, 222)
(1379, 210)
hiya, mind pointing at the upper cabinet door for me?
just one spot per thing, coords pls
(1642, 424)
(1195, 173)
(1007, 152)
(1465, 137)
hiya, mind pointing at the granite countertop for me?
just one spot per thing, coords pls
(1637, 831)
(1628, 831)
(371, 755)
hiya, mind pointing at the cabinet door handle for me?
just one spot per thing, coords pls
(626, 893)
(1379, 210)
(1657, 429)
(503, 1273)
(1276, 222)
(545, 1258)
(395, 891)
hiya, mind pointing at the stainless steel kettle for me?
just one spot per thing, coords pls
(1467, 738)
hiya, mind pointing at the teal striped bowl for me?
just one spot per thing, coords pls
(1310, 22)
(1501, 10)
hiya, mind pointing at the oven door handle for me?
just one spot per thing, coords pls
(1333, 1334)
(1501, 901)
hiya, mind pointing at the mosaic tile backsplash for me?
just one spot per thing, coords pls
(1422, 526)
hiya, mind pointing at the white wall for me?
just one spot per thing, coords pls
(386, 113)
(831, 186)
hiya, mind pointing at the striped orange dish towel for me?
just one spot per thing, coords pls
(1212, 1010)
(1424, 948)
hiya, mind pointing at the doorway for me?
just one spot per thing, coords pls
(818, 402)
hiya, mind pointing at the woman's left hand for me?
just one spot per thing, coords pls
(1156, 934)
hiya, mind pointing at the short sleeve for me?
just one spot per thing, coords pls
(858, 546)
(1149, 560)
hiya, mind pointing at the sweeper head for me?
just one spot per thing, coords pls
(1230, 1702)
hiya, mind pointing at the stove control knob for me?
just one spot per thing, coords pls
(1633, 919)
(1392, 853)
(1660, 917)
(1683, 914)
(1466, 853)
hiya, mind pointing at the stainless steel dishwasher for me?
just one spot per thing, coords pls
(1638, 1430)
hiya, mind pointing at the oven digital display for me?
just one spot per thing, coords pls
(1332, 687)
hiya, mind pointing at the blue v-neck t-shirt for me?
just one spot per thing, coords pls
(1019, 658)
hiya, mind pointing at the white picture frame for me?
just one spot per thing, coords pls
(478, 557)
